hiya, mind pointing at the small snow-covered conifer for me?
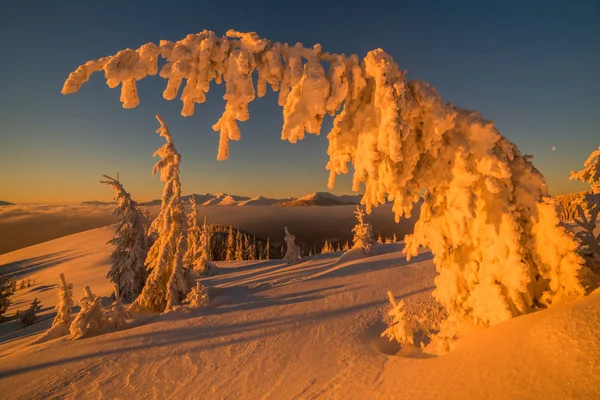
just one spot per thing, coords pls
(6, 290)
(239, 246)
(588, 209)
(62, 320)
(203, 263)
(131, 242)
(346, 246)
(169, 280)
(193, 235)
(268, 249)
(379, 239)
(198, 297)
(90, 317)
(326, 248)
(117, 314)
(30, 316)
(363, 236)
(401, 328)
(292, 253)
(230, 253)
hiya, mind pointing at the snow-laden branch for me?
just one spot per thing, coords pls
(498, 246)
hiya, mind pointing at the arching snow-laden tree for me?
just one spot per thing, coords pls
(403, 140)
(169, 280)
(62, 320)
(131, 242)
(292, 253)
(588, 209)
(363, 233)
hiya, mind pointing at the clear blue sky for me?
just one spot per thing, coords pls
(530, 66)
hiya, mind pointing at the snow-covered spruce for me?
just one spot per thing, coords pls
(131, 242)
(198, 256)
(90, 318)
(169, 280)
(292, 253)
(62, 320)
(588, 209)
(401, 327)
(402, 140)
(117, 314)
(30, 316)
(198, 296)
(363, 233)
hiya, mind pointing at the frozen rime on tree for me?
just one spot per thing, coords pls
(198, 256)
(117, 314)
(198, 296)
(169, 280)
(402, 139)
(62, 320)
(131, 243)
(363, 233)
(588, 209)
(292, 253)
(90, 317)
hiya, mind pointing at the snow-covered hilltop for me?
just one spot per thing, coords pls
(5, 203)
(225, 199)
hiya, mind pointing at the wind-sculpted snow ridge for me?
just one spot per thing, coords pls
(498, 246)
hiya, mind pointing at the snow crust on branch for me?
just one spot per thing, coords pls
(498, 246)
(169, 280)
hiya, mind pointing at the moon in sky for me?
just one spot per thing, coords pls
(553, 148)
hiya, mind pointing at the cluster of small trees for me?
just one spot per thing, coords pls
(7, 289)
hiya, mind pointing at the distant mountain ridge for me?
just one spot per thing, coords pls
(6, 203)
(225, 199)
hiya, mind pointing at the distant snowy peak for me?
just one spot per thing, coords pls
(260, 201)
(225, 199)
(322, 199)
(6, 203)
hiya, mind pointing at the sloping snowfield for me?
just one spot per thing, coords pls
(274, 331)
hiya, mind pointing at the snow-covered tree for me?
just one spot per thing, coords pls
(131, 242)
(117, 314)
(203, 263)
(268, 249)
(379, 239)
(198, 297)
(30, 316)
(193, 235)
(169, 280)
(62, 320)
(326, 247)
(588, 209)
(230, 252)
(394, 238)
(90, 317)
(6, 290)
(346, 246)
(402, 140)
(401, 328)
(239, 246)
(292, 253)
(363, 233)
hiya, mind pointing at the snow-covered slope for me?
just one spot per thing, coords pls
(321, 199)
(274, 331)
